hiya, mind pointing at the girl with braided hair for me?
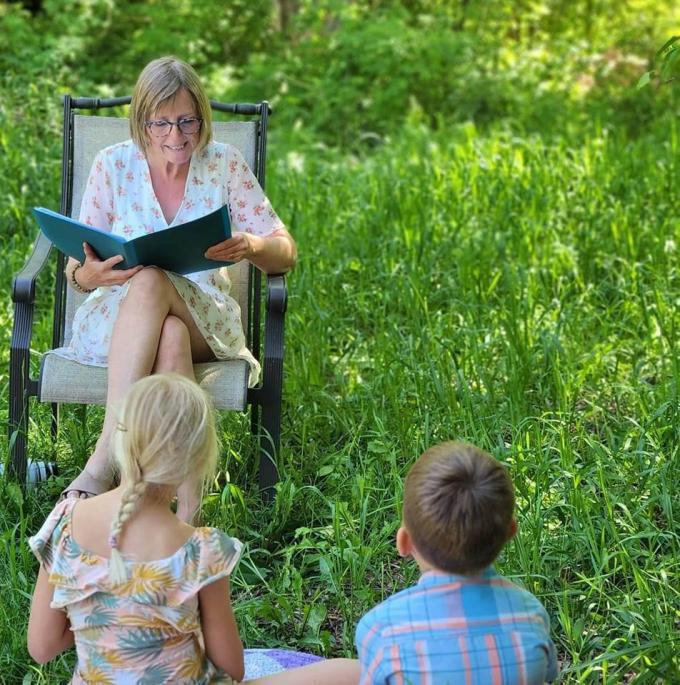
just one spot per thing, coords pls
(142, 595)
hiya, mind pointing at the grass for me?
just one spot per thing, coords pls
(518, 293)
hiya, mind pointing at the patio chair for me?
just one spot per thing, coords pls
(64, 381)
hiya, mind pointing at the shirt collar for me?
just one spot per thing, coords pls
(435, 577)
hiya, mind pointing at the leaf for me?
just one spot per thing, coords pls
(665, 47)
(315, 619)
(644, 79)
(669, 61)
(325, 470)
(324, 568)
(15, 494)
(376, 447)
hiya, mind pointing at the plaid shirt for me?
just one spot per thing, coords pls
(450, 629)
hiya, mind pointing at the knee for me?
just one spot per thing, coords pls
(149, 283)
(174, 345)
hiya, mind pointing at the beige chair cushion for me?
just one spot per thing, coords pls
(63, 380)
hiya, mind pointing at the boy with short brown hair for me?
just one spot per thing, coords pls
(462, 622)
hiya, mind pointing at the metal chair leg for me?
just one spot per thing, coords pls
(18, 417)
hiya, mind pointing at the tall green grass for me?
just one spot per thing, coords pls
(518, 294)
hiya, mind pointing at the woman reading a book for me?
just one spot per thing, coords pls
(145, 320)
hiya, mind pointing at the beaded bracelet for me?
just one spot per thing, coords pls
(76, 285)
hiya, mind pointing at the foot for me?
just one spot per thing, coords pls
(85, 485)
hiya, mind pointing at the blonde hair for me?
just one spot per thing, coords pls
(165, 437)
(159, 82)
(458, 507)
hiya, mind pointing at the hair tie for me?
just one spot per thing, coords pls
(113, 541)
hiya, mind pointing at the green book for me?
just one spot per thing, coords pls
(177, 248)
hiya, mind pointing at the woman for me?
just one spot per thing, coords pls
(145, 320)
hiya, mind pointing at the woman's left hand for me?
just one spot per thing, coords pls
(237, 248)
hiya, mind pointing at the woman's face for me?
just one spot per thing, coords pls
(175, 147)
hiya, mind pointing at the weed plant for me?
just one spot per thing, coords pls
(517, 294)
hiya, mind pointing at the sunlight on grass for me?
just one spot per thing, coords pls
(514, 293)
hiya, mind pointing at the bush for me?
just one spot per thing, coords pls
(352, 79)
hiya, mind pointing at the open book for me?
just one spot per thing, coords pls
(177, 248)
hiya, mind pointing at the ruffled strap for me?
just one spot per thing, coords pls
(50, 537)
(74, 573)
(210, 555)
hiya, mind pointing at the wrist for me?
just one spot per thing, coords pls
(255, 245)
(76, 285)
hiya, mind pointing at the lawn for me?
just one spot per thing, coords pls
(517, 292)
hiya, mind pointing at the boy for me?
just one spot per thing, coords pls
(462, 622)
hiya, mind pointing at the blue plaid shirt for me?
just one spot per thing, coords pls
(450, 629)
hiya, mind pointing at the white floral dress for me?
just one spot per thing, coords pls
(119, 198)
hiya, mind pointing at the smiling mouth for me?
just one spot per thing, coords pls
(176, 147)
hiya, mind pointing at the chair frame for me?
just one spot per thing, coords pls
(264, 401)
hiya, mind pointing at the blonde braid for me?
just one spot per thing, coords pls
(128, 504)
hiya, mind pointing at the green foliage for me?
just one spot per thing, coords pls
(102, 41)
(515, 293)
(128, 35)
(30, 145)
(364, 57)
(352, 74)
(499, 264)
(667, 64)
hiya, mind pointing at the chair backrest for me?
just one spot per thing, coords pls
(93, 133)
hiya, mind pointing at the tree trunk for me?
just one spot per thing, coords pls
(287, 10)
(33, 6)
(459, 25)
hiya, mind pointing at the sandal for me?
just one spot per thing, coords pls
(84, 485)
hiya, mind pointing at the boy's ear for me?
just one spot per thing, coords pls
(404, 543)
(512, 531)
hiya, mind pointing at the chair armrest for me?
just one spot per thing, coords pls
(277, 294)
(23, 285)
(272, 363)
(21, 385)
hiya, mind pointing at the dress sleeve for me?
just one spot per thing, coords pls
(249, 207)
(218, 554)
(96, 208)
(46, 541)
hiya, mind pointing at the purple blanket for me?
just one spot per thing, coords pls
(260, 662)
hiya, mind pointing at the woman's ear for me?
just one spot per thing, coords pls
(404, 543)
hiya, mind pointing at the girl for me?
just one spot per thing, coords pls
(143, 596)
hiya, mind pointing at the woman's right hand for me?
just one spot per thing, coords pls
(96, 272)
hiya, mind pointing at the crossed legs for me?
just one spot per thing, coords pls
(154, 332)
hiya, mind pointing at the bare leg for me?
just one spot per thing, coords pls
(135, 348)
(174, 354)
(331, 672)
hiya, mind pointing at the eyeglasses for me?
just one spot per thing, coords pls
(162, 128)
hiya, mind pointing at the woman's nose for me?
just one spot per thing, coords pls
(175, 132)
